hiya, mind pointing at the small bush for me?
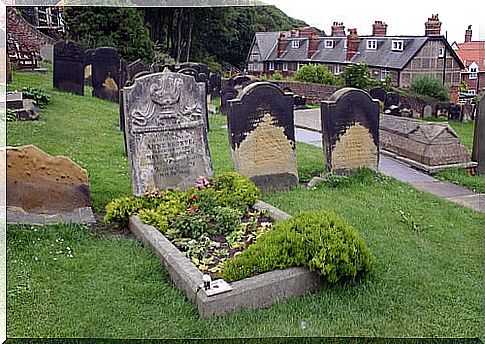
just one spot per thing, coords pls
(41, 97)
(321, 241)
(190, 224)
(277, 76)
(318, 74)
(225, 219)
(357, 75)
(429, 86)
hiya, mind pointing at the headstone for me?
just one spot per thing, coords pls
(392, 98)
(454, 112)
(136, 67)
(393, 110)
(427, 111)
(227, 93)
(88, 66)
(350, 130)
(467, 112)
(406, 110)
(240, 81)
(47, 52)
(215, 85)
(69, 67)
(262, 136)
(378, 93)
(166, 131)
(29, 111)
(14, 100)
(106, 73)
(442, 110)
(299, 102)
(478, 153)
(41, 184)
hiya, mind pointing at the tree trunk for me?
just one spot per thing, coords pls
(189, 35)
(178, 46)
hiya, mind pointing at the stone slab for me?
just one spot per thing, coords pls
(77, 216)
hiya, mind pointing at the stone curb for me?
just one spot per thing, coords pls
(259, 291)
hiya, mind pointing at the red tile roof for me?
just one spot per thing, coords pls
(472, 51)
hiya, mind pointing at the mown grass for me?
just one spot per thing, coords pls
(427, 283)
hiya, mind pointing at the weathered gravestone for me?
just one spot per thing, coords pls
(299, 102)
(392, 98)
(350, 130)
(427, 111)
(454, 113)
(166, 131)
(478, 153)
(215, 85)
(429, 146)
(378, 93)
(88, 66)
(227, 93)
(262, 136)
(69, 67)
(106, 79)
(128, 73)
(44, 189)
(467, 112)
(442, 110)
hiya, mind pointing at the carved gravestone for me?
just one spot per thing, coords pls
(262, 136)
(166, 131)
(128, 73)
(69, 67)
(378, 93)
(392, 98)
(427, 111)
(227, 93)
(478, 153)
(106, 79)
(350, 130)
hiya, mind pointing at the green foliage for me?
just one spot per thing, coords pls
(235, 191)
(321, 241)
(122, 208)
(226, 218)
(429, 86)
(277, 75)
(318, 74)
(190, 224)
(41, 97)
(356, 75)
(362, 176)
(11, 115)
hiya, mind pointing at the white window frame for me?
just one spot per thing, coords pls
(384, 74)
(371, 44)
(345, 43)
(336, 69)
(441, 52)
(270, 65)
(285, 66)
(397, 45)
(250, 67)
(295, 44)
(329, 43)
(473, 73)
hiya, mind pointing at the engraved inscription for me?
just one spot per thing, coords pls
(355, 149)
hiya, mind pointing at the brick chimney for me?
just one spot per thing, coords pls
(294, 33)
(379, 28)
(307, 31)
(312, 44)
(433, 26)
(338, 29)
(353, 41)
(282, 43)
(468, 34)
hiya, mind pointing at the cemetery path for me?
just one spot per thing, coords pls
(308, 130)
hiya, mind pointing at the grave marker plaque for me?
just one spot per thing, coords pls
(69, 67)
(262, 136)
(106, 79)
(350, 130)
(166, 131)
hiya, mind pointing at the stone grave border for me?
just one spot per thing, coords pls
(255, 292)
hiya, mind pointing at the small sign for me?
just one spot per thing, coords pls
(217, 287)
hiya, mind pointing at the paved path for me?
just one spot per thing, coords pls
(308, 130)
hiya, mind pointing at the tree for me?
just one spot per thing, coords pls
(318, 74)
(429, 86)
(356, 75)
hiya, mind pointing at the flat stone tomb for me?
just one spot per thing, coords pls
(262, 136)
(350, 131)
(166, 131)
(69, 67)
(105, 78)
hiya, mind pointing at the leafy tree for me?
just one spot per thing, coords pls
(318, 74)
(429, 86)
(356, 75)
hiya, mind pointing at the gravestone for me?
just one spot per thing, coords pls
(442, 110)
(478, 152)
(299, 102)
(43, 188)
(106, 79)
(454, 112)
(262, 136)
(427, 111)
(392, 98)
(227, 93)
(215, 85)
(467, 112)
(128, 73)
(69, 67)
(166, 131)
(378, 93)
(405, 110)
(240, 81)
(88, 66)
(350, 131)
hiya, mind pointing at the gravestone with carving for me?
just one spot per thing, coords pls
(69, 67)
(166, 131)
(262, 136)
(106, 79)
(350, 130)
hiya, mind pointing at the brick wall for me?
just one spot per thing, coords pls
(28, 36)
(314, 93)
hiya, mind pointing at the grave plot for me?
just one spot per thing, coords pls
(69, 67)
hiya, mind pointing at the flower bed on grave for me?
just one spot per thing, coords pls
(215, 225)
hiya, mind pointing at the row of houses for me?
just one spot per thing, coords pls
(403, 58)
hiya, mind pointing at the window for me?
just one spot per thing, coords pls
(345, 44)
(329, 44)
(295, 44)
(473, 73)
(441, 52)
(285, 66)
(250, 67)
(384, 74)
(371, 44)
(397, 45)
(271, 65)
(336, 70)
(298, 67)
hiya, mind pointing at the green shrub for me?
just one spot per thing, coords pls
(190, 224)
(225, 219)
(122, 208)
(429, 86)
(41, 97)
(321, 241)
(277, 75)
(318, 74)
(357, 75)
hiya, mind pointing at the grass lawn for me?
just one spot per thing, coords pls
(64, 281)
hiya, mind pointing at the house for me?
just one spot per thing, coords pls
(472, 53)
(402, 57)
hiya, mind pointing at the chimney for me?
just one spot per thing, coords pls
(293, 33)
(468, 34)
(307, 31)
(282, 43)
(379, 28)
(433, 26)
(353, 41)
(338, 29)
(312, 44)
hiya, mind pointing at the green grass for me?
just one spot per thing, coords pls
(428, 281)
(462, 177)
